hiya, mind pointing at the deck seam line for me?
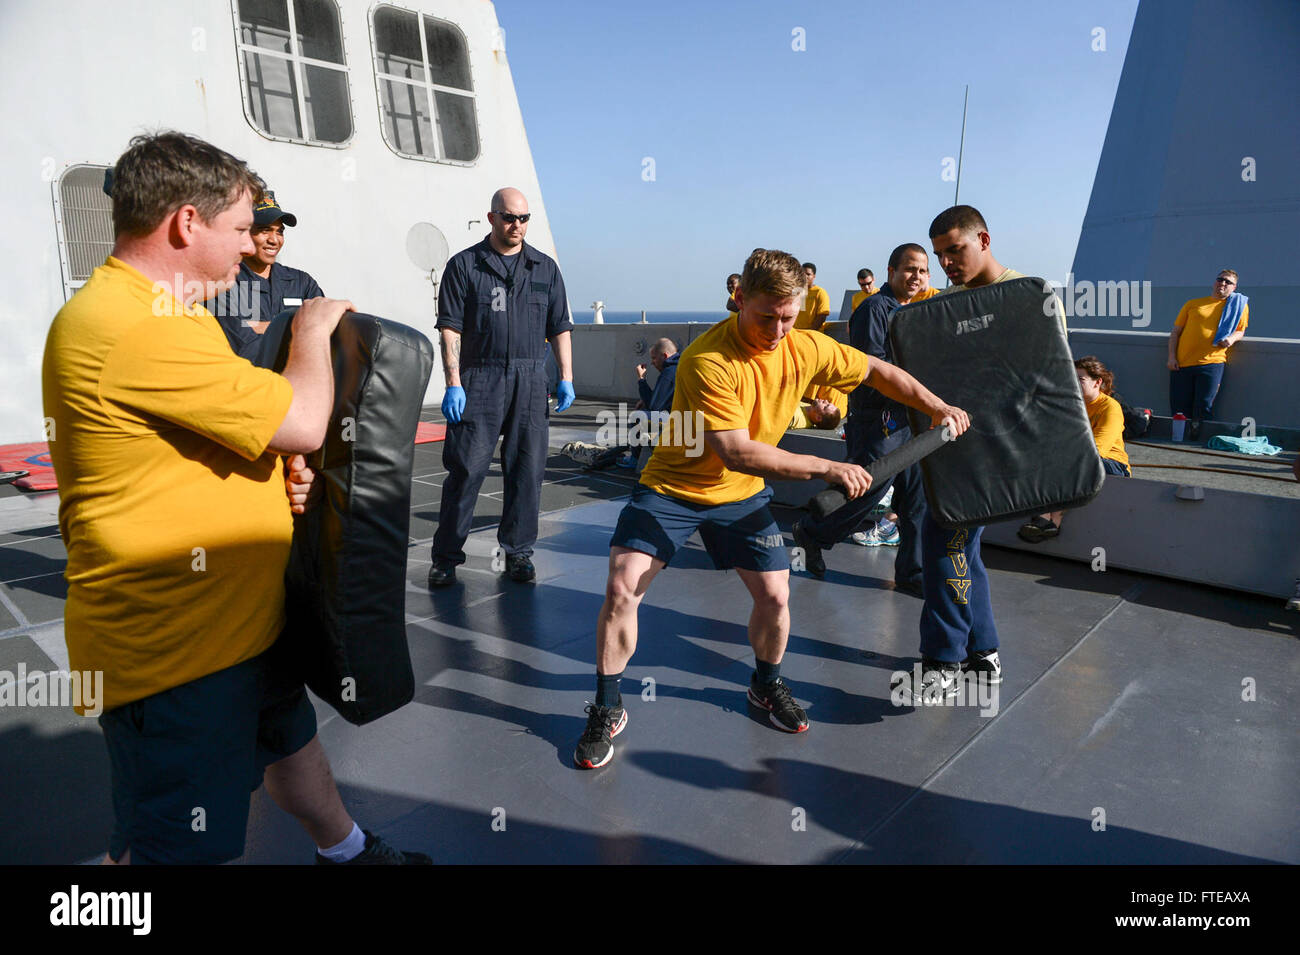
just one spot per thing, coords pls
(13, 608)
(943, 767)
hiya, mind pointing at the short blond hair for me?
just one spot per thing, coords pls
(1232, 272)
(772, 272)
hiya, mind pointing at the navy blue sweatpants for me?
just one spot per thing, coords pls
(957, 618)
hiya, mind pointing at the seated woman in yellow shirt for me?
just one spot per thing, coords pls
(1107, 420)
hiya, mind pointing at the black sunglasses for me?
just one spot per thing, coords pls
(509, 218)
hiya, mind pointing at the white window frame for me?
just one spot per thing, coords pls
(70, 284)
(429, 87)
(294, 56)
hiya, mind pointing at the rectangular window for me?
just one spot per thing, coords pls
(294, 70)
(426, 93)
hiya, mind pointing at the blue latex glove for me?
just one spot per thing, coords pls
(564, 396)
(453, 404)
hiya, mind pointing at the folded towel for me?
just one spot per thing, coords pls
(1256, 445)
(1232, 309)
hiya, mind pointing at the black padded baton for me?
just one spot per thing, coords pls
(882, 469)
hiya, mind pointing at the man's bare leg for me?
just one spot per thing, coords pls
(769, 621)
(303, 786)
(630, 573)
(769, 631)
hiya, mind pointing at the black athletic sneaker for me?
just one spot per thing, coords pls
(812, 551)
(379, 852)
(520, 568)
(985, 664)
(596, 747)
(783, 711)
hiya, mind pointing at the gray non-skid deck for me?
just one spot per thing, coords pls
(1123, 704)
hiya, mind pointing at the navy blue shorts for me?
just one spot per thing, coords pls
(739, 534)
(1115, 467)
(184, 760)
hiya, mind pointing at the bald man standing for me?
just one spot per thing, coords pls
(499, 303)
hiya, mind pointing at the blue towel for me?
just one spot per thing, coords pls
(1232, 309)
(1256, 445)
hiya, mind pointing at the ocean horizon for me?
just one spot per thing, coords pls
(653, 317)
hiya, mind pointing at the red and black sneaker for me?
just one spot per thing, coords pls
(782, 710)
(596, 747)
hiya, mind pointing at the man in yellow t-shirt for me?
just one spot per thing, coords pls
(737, 387)
(866, 289)
(1198, 349)
(172, 510)
(816, 304)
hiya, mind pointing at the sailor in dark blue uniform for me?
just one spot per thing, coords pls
(264, 287)
(499, 303)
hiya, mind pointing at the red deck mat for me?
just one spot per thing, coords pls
(427, 432)
(34, 457)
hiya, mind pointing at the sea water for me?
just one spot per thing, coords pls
(584, 317)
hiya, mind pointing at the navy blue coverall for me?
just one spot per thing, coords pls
(505, 308)
(876, 426)
(255, 299)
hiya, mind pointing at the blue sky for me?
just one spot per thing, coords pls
(834, 153)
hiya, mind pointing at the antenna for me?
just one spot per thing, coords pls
(961, 149)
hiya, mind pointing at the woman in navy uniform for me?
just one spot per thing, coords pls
(264, 287)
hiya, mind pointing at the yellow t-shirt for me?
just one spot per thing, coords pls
(173, 514)
(859, 297)
(1107, 420)
(816, 303)
(1199, 320)
(722, 386)
(922, 295)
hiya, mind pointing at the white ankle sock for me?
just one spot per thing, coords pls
(349, 848)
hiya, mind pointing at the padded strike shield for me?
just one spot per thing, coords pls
(346, 581)
(1000, 353)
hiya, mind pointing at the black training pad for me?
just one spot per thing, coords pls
(1000, 353)
(346, 582)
